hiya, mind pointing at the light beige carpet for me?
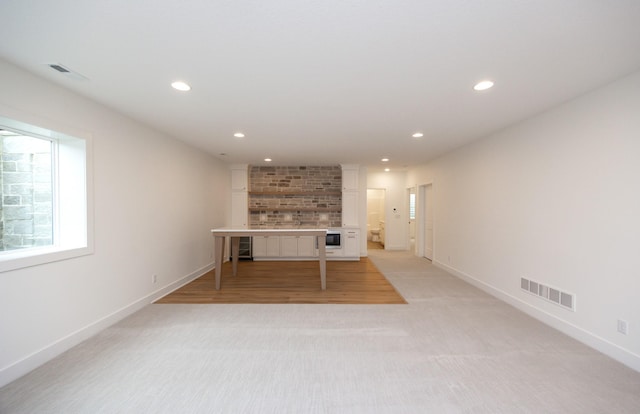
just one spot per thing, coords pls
(452, 349)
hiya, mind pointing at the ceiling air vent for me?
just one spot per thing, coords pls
(59, 68)
(66, 71)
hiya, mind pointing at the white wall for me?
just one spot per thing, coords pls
(555, 199)
(155, 199)
(396, 223)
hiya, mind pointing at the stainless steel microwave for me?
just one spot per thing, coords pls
(334, 239)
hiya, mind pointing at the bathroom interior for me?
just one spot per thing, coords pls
(375, 217)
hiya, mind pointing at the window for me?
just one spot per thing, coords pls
(44, 214)
(26, 193)
(412, 206)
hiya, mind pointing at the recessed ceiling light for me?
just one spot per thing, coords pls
(181, 86)
(268, 159)
(385, 160)
(387, 169)
(238, 135)
(418, 135)
(483, 85)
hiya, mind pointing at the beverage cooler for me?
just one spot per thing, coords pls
(245, 250)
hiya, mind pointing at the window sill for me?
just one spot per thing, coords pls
(20, 259)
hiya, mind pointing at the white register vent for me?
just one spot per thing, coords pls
(553, 295)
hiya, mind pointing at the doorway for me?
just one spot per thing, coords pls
(425, 221)
(375, 218)
(411, 231)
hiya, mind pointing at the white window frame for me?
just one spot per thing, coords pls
(72, 203)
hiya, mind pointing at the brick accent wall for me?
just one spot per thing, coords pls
(296, 196)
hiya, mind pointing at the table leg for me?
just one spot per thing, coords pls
(235, 250)
(219, 251)
(322, 258)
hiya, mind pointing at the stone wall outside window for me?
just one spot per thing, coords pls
(26, 215)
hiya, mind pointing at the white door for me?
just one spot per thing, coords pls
(427, 206)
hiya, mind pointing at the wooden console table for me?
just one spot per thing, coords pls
(221, 234)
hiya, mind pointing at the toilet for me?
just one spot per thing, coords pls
(375, 235)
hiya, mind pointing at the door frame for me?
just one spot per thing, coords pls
(421, 219)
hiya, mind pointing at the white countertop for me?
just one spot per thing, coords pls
(231, 231)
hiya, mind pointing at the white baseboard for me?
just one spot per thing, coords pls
(590, 339)
(30, 362)
(395, 247)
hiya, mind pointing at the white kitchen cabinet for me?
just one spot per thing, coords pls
(297, 246)
(351, 242)
(266, 246)
(350, 177)
(239, 211)
(289, 246)
(350, 195)
(350, 208)
(307, 246)
(239, 196)
(239, 177)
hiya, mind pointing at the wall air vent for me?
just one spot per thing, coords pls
(66, 71)
(553, 295)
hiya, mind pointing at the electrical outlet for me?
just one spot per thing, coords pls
(288, 217)
(623, 327)
(263, 217)
(324, 217)
(154, 279)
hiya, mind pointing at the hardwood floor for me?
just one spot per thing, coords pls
(291, 282)
(371, 245)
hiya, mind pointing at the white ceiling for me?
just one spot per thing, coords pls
(316, 82)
